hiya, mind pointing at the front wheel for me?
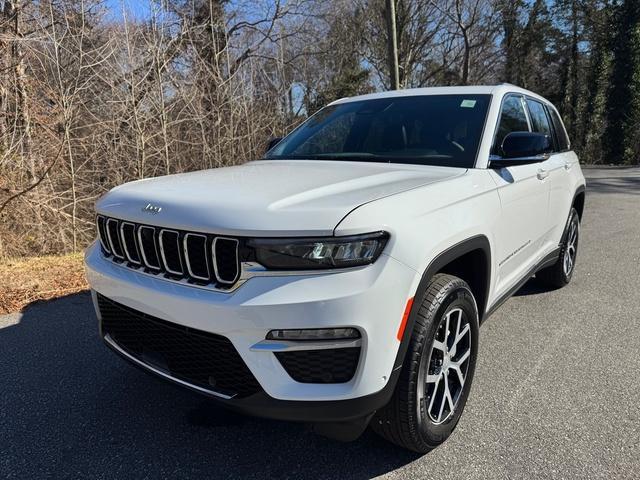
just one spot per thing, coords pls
(438, 369)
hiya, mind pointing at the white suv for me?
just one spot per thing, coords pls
(341, 280)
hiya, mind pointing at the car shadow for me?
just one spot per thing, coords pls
(71, 408)
(533, 286)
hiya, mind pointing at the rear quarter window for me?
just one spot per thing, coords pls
(539, 118)
(558, 127)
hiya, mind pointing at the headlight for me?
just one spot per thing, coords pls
(318, 253)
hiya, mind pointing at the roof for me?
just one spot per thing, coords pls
(497, 90)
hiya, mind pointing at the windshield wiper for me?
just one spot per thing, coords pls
(349, 156)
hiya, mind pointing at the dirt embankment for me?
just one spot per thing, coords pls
(25, 280)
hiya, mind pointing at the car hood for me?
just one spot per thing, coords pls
(268, 198)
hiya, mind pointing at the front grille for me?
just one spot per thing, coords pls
(200, 358)
(113, 237)
(198, 258)
(148, 245)
(170, 251)
(129, 243)
(225, 253)
(336, 365)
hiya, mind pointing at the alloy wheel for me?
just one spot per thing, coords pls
(571, 249)
(445, 372)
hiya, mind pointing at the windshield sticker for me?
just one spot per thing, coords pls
(468, 103)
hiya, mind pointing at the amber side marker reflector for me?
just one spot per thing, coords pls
(405, 317)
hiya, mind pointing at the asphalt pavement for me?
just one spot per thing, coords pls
(556, 393)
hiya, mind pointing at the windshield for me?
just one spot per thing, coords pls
(442, 130)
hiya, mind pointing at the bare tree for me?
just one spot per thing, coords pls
(91, 97)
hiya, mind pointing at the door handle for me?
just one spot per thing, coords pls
(567, 165)
(542, 174)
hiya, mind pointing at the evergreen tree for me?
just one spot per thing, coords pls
(340, 72)
(350, 79)
(622, 137)
(533, 57)
(591, 116)
(570, 86)
(510, 12)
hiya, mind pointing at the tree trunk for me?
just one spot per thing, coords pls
(466, 59)
(23, 117)
(392, 44)
(510, 32)
(574, 66)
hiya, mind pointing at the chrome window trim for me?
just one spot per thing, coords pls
(112, 343)
(164, 259)
(124, 243)
(155, 248)
(215, 261)
(113, 250)
(186, 256)
(527, 114)
(104, 222)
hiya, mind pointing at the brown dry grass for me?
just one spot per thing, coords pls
(26, 280)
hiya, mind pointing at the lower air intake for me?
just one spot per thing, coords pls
(200, 358)
(336, 365)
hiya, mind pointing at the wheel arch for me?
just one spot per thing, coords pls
(578, 200)
(470, 260)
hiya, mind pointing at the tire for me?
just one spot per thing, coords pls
(559, 274)
(411, 418)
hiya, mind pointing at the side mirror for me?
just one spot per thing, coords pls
(273, 141)
(520, 148)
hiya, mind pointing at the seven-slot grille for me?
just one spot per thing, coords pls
(199, 258)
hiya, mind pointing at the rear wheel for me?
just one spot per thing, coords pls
(560, 273)
(438, 369)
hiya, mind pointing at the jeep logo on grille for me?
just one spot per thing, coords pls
(154, 210)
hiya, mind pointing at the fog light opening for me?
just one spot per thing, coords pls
(314, 334)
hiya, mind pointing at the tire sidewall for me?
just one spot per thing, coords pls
(459, 297)
(573, 218)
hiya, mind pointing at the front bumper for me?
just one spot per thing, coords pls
(371, 299)
(262, 405)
